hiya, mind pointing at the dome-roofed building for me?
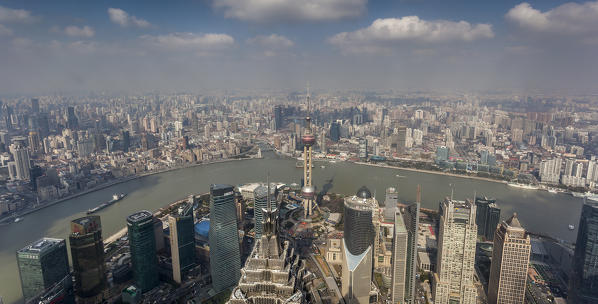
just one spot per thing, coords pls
(364, 192)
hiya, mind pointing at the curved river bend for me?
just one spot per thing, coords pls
(539, 211)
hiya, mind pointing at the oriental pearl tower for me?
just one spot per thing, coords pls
(308, 191)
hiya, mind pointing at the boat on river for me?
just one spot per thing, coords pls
(523, 186)
(115, 198)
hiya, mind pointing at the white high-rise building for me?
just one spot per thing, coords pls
(399, 259)
(21, 160)
(453, 282)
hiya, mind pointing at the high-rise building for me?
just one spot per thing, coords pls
(34, 105)
(142, 242)
(21, 161)
(182, 241)
(42, 265)
(510, 260)
(487, 217)
(399, 260)
(279, 280)
(71, 119)
(225, 255)
(363, 148)
(335, 131)
(442, 154)
(390, 204)
(260, 202)
(360, 236)
(87, 252)
(454, 283)
(583, 287)
(411, 220)
(125, 138)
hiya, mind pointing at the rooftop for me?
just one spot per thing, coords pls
(139, 216)
(41, 245)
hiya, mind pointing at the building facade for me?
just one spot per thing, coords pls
(584, 279)
(399, 260)
(142, 242)
(42, 264)
(182, 241)
(487, 217)
(87, 252)
(510, 261)
(225, 255)
(453, 282)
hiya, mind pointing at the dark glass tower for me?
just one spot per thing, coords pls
(42, 264)
(225, 255)
(143, 249)
(487, 217)
(87, 252)
(182, 241)
(584, 280)
(411, 220)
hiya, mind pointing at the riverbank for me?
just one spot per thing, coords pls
(433, 172)
(8, 219)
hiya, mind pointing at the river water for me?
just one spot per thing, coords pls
(538, 211)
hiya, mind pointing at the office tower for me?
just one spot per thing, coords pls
(510, 260)
(87, 253)
(399, 260)
(278, 117)
(308, 191)
(456, 254)
(411, 220)
(272, 273)
(21, 161)
(360, 234)
(335, 131)
(182, 241)
(487, 217)
(35, 144)
(260, 202)
(42, 265)
(71, 118)
(125, 140)
(142, 242)
(363, 148)
(390, 204)
(442, 154)
(34, 105)
(225, 256)
(401, 139)
(584, 278)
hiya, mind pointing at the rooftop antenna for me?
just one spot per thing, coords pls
(452, 191)
(418, 197)
(474, 196)
(268, 195)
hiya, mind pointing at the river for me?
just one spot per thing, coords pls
(538, 211)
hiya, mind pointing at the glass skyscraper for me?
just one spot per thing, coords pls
(182, 241)
(584, 280)
(225, 255)
(87, 252)
(142, 242)
(487, 217)
(42, 264)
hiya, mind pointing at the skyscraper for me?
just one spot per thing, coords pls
(87, 252)
(411, 220)
(399, 260)
(71, 119)
(453, 283)
(182, 241)
(487, 217)
(42, 264)
(510, 260)
(20, 153)
(360, 231)
(279, 280)
(142, 242)
(225, 256)
(584, 279)
(260, 201)
(308, 191)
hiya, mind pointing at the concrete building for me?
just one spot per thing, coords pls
(22, 164)
(454, 283)
(510, 260)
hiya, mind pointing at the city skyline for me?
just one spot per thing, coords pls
(358, 44)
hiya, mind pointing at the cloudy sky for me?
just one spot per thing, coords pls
(153, 45)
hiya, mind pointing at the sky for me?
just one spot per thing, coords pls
(106, 46)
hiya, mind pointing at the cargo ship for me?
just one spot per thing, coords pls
(115, 198)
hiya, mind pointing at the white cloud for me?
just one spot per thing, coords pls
(569, 18)
(191, 41)
(384, 32)
(75, 31)
(15, 15)
(265, 11)
(273, 41)
(123, 18)
(5, 31)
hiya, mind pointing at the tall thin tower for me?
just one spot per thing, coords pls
(308, 191)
